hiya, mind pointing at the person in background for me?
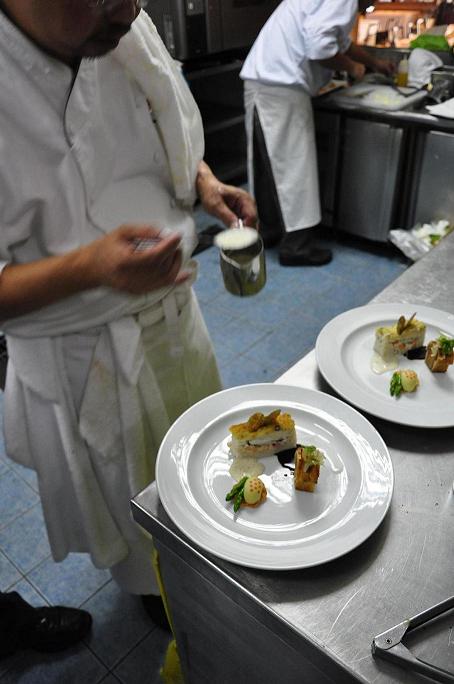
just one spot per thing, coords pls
(46, 629)
(102, 145)
(295, 54)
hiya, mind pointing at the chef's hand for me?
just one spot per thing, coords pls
(123, 261)
(356, 71)
(384, 66)
(226, 202)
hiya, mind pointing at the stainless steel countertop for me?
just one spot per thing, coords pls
(415, 117)
(402, 569)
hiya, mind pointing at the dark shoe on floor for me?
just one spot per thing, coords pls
(154, 607)
(309, 256)
(55, 629)
(298, 249)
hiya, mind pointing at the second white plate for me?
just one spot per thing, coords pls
(344, 350)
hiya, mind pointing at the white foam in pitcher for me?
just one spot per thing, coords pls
(236, 238)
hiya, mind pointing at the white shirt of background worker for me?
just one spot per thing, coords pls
(293, 57)
(107, 345)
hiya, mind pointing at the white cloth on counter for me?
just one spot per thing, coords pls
(287, 122)
(295, 37)
(92, 382)
(444, 109)
(421, 63)
(144, 56)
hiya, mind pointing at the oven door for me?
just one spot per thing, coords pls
(241, 20)
(194, 28)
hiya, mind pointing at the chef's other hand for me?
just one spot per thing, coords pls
(227, 202)
(385, 66)
(125, 260)
(357, 71)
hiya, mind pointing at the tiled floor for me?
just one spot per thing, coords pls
(256, 340)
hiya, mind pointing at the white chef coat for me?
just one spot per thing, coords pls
(298, 33)
(94, 381)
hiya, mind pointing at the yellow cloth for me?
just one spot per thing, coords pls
(171, 670)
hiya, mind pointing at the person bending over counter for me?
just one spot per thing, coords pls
(102, 146)
(295, 54)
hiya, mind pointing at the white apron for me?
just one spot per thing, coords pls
(88, 414)
(287, 121)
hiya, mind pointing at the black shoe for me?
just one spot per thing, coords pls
(298, 249)
(154, 607)
(54, 629)
(309, 256)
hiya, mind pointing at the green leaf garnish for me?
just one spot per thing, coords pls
(434, 238)
(446, 345)
(395, 386)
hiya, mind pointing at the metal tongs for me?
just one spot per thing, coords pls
(388, 645)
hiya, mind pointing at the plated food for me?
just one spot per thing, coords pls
(406, 338)
(249, 491)
(268, 435)
(348, 364)
(308, 460)
(403, 381)
(401, 337)
(440, 354)
(291, 529)
(263, 435)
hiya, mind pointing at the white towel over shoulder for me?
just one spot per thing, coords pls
(145, 57)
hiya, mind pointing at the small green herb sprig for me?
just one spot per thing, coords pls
(446, 345)
(395, 386)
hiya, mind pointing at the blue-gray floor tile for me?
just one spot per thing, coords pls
(29, 593)
(241, 337)
(147, 658)
(76, 665)
(119, 624)
(71, 582)
(248, 371)
(26, 474)
(25, 540)
(16, 497)
(9, 574)
(110, 679)
(216, 317)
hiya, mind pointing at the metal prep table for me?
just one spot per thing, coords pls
(317, 625)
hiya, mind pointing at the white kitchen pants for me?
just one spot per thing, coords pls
(287, 122)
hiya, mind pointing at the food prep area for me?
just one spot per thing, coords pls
(256, 340)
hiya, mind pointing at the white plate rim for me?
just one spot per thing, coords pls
(328, 358)
(169, 494)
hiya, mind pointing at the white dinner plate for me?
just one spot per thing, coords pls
(344, 350)
(291, 529)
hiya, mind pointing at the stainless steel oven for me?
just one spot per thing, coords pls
(193, 28)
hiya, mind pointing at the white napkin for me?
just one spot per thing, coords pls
(445, 109)
(421, 63)
(145, 57)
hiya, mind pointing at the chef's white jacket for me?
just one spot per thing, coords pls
(295, 37)
(95, 380)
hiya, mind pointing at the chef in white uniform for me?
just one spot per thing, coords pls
(106, 342)
(293, 57)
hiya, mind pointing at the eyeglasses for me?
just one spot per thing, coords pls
(109, 6)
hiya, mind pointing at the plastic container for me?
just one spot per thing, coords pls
(402, 73)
